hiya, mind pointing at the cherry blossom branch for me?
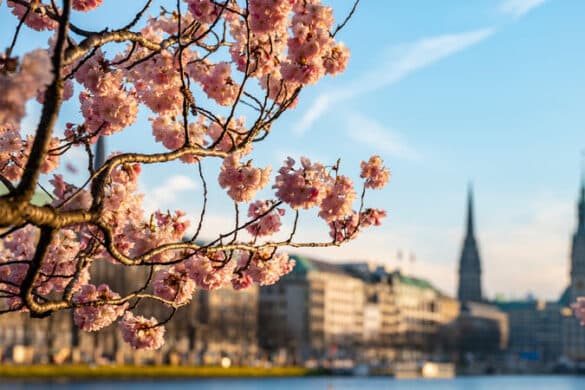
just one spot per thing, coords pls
(53, 98)
(52, 13)
(173, 56)
(204, 206)
(28, 284)
(100, 39)
(347, 18)
(138, 16)
(15, 37)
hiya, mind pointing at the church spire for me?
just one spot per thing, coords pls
(469, 211)
(581, 205)
(469, 263)
(100, 153)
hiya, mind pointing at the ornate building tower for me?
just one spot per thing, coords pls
(578, 252)
(469, 263)
(573, 335)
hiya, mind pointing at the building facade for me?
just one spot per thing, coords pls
(423, 315)
(314, 312)
(535, 331)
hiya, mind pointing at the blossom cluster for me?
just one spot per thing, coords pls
(37, 18)
(348, 227)
(338, 199)
(242, 181)
(312, 185)
(266, 268)
(19, 85)
(312, 51)
(218, 84)
(85, 5)
(93, 312)
(266, 218)
(175, 284)
(304, 187)
(375, 174)
(14, 152)
(204, 11)
(106, 105)
(141, 332)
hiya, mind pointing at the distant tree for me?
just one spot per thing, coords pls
(193, 68)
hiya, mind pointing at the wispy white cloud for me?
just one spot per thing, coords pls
(374, 135)
(165, 195)
(402, 61)
(519, 8)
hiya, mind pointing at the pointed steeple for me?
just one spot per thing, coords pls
(100, 153)
(469, 211)
(578, 247)
(581, 205)
(469, 263)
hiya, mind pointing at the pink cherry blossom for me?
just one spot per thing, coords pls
(266, 269)
(37, 18)
(85, 5)
(219, 86)
(207, 274)
(304, 187)
(268, 222)
(170, 132)
(174, 284)
(231, 135)
(345, 228)
(142, 333)
(33, 74)
(336, 58)
(312, 51)
(371, 217)
(267, 15)
(157, 83)
(375, 173)
(95, 317)
(241, 280)
(338, 201)
(110, 107)
(204, 11)
(242, 181)
(76, 199)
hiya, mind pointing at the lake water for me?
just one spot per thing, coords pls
(324, 383)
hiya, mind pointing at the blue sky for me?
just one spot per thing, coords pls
(448, 92)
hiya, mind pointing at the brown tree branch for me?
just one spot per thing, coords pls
(53, 98)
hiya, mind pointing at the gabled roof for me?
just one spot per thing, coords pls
(409, 280)
(306, 264)
(417, 282)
